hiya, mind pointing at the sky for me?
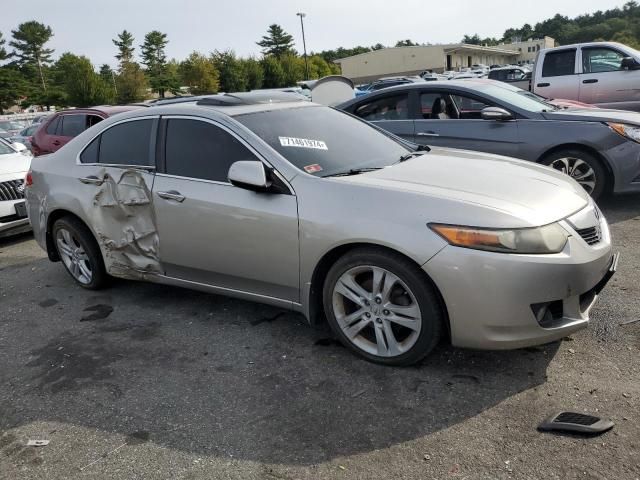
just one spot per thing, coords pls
(86, 27)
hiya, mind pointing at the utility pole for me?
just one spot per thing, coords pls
(304, 45)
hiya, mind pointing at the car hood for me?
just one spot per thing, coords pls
(527, 193)
(594, 115)
(13, 166)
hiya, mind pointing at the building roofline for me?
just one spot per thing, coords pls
(445, 46)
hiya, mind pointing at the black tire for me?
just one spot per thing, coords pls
(83, 236)
(600, 172)
(428, 300)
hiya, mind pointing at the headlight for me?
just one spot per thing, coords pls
(548, 239)
(630, 131)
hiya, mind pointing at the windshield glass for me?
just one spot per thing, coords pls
(5, 149)
(10, 125)
(518, 98)
(323, 141)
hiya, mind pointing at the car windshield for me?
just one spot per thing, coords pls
(323, 141)
(10, 125)
(518, 98)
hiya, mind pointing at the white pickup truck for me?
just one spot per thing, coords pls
(605, 74)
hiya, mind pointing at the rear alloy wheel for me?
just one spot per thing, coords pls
(79, 253)
(583, 167)
(382, 307)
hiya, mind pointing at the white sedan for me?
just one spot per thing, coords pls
(15, 160)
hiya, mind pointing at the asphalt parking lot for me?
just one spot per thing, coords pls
(148, 381)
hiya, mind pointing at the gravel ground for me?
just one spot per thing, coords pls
(147, 381)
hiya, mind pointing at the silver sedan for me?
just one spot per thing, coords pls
(301, 206)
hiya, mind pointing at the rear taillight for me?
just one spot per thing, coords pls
(28, 180)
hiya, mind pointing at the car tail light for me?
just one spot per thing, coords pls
(28, 180)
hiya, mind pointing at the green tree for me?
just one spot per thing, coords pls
(377, 46)
(81, 85)
(199, 74)
(155, 61)
(131, 83)
(3, 51)
(254, 73)
(30, 52)
(230, 69)
(318, 67)
(12, 87)
(406, 43)
(273, 73)
(106, 73)
(293, 69)
(124, 42)
(276, 42)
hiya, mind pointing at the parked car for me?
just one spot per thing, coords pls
(517, 76)
(302, 206)
(24, 137)
(12, 127)
(59, 128)
(605, 74)
(387, 82)
(599, 148)
(14, 165)
(4, 134)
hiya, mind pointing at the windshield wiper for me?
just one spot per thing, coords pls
(354, 171)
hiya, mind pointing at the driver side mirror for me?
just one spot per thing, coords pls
(495, 113)
(629, 63)
(250, 175)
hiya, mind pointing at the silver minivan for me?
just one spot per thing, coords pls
(605, 74)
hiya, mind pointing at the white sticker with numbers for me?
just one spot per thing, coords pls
(302, 143)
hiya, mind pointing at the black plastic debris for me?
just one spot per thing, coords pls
(572, 422)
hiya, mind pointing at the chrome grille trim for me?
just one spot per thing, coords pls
(11, 190)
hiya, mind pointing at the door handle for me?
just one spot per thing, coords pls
(172, 195)
(427, 134)
(590, 80)
(91, 180)
(543, 84)
(56, 142)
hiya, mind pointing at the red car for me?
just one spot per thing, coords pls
(61, 127)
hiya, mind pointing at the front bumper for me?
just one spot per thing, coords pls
(504, 301)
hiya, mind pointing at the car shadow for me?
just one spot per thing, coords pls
(619, 208)
(218, 376)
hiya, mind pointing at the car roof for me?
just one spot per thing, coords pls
(107, 110)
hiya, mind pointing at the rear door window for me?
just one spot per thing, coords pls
(127, 143)
(197, 149)
(559, 63)
(73, 125)
(52, 128)
(394, 107)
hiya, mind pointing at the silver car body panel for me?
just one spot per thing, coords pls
(267, 247)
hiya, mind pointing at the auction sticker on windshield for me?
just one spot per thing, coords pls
(302, 143)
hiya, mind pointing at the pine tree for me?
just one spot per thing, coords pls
(29, 43)
(277, 42)
(3, 51)
(124, 42)
(155, 59)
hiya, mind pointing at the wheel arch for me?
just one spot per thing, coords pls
(588, 149)
(316, 310)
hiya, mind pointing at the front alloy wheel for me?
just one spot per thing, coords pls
(381, 305)
(376, 311)
(577, 169)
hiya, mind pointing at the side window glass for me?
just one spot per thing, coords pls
(90, 153)
(595, 60)
(127, 143)
(73, 125)
(92, 120)
(53, 126)
(426, 104)
(388, 108)
(197, 149)
(559, 63)
(468, 108)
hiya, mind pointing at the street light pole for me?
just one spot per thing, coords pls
(304, 45)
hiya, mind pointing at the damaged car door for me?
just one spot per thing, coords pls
(116, 173)
(212, 232)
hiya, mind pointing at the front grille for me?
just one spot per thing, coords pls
(11, 190)
(590, 235)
